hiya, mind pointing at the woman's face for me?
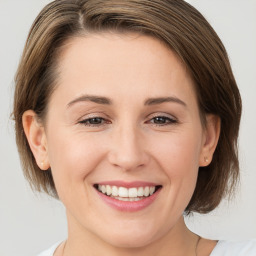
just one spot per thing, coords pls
(123, 119)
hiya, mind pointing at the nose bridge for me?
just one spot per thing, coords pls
(127, 151)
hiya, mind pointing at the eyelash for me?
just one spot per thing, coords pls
(87, 121)
(99, 121)
(165, 119)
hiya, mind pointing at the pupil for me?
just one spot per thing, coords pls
(95, 120)
(160, 120)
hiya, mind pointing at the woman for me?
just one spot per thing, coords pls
(128, 112)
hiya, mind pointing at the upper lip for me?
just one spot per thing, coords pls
(131, 184)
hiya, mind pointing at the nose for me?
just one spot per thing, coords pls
(127, 150)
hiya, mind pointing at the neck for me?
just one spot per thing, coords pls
(177, 241)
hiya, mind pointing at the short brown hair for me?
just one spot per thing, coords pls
(176, 23)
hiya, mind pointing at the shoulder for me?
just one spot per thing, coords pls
(241, 248)
(50, 251)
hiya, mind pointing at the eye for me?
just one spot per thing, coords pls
(162, 120)
(94, 121)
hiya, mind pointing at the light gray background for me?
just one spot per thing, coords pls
(30, 223)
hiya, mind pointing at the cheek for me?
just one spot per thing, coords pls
(179, 160)
(72, 158)
(178, 154)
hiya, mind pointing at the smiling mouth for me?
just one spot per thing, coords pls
(127, 194)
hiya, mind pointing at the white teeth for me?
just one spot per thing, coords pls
(132, 192)
(127, 194)
(127, 199)
(103, 189)
(140, 191)
(114, 191)
(152, 190)
(146, 191)
(123, 192)
(109, 190)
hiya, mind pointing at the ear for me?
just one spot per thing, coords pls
(36, 137)
(210, 140)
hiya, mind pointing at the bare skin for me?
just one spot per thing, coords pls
(204, 248)
(124, 109)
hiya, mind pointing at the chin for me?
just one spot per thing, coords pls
(131, 239)
(130, 242)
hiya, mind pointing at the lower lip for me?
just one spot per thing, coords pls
(128, 206)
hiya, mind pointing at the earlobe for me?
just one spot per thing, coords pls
(211, 137)
(36, 137)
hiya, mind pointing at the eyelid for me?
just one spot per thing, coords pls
(162, 114)
(90, 118)
(86, 123)
(82, 120)
(93, 115)
(171, 120)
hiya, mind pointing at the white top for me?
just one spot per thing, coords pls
(229, 248)
(223, 248)
(50, 251)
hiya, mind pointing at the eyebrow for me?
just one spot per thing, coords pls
(160, 100)
(92, 98)
(106, 101)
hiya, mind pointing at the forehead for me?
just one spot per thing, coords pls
(125, 63)
(126, 49)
